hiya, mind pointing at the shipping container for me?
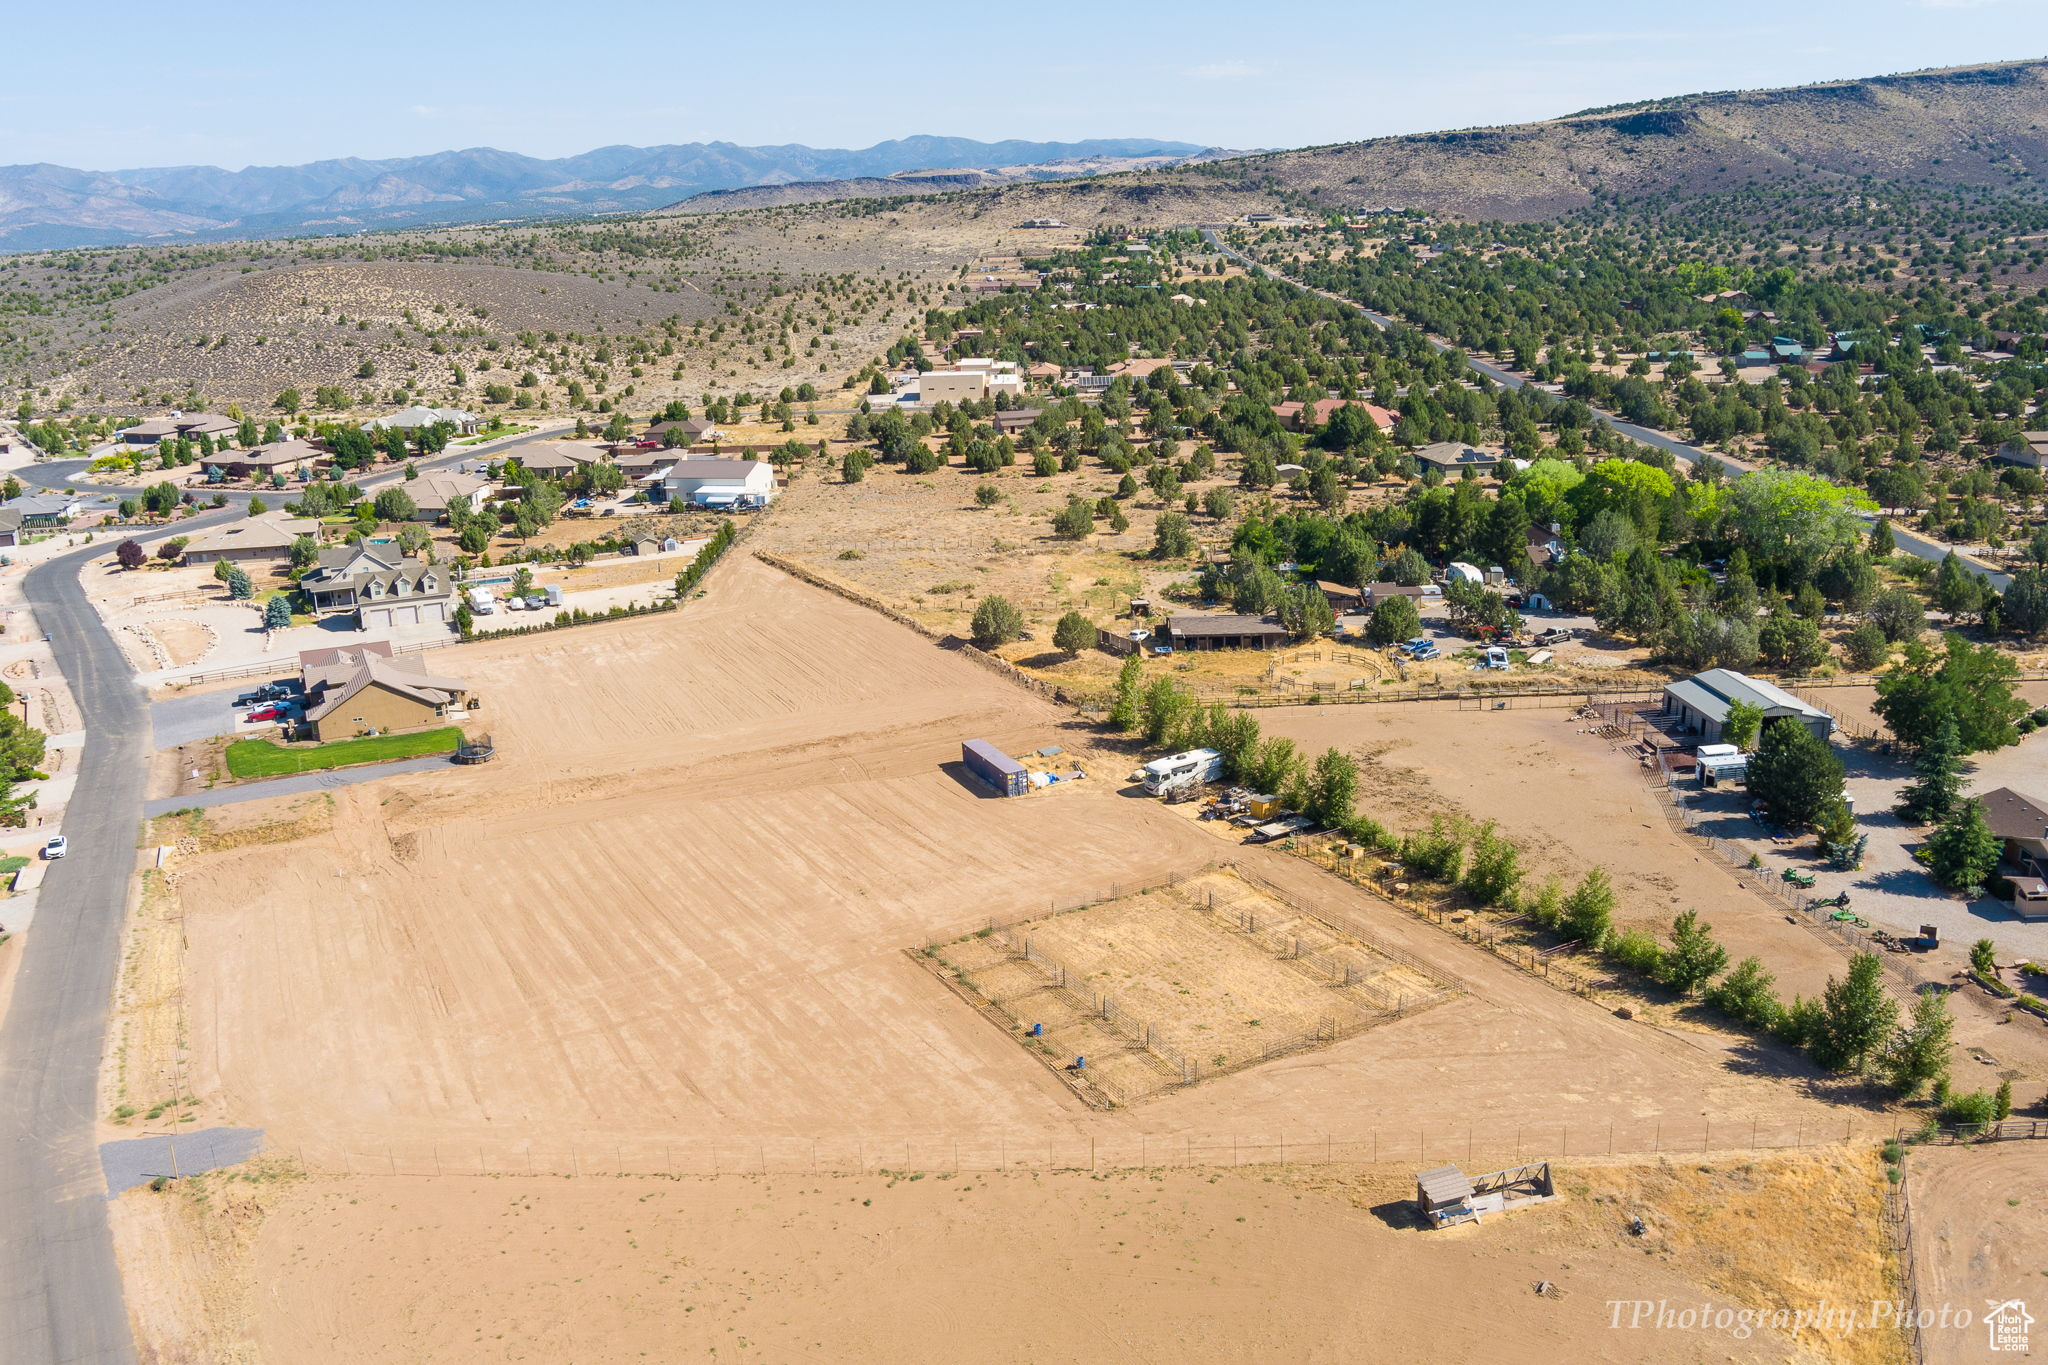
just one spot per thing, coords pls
(993, 766)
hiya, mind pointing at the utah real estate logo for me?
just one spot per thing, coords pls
(2007, 1325)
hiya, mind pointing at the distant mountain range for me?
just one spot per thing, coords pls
(44, 206)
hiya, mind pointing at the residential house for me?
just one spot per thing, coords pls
(1456, 456)
(706, 481)
(1701, 702)
(1545, 544)
(555, 461)
(693, 429)
(416, 417)
(290, 458)
(1224, 631)
(2031, 450)
(379, 586)
(188, 426)
(636, 464)
(257, 540)
(42, 510)
(10, 526)
(2021, 824)
(433, 494)
(1342, 596)
(1752, 357)
(365, 688)
(1319, 413)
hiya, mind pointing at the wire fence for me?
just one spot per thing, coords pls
(1128, 1055)
(1481, 1143)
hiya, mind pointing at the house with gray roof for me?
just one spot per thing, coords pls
(1451, 456)
(379, 586)
(415, 417)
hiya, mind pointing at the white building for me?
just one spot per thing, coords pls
(413, 418)
(705, 481)
(969, 381)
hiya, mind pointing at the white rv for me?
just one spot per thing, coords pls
(1163, 775)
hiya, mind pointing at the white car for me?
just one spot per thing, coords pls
(57, 847)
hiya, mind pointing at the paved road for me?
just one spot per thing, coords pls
(60, 1290)
(295, 785)
(59, 475)
(1912, 542)
(137, 1161)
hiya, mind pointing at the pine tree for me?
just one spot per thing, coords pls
(1962, 853)
(1939, 765)
(1794, 774)
(1856, 1016)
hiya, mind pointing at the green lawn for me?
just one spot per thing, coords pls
(510, 429)
(261, 758)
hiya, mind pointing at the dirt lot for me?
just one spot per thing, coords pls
(1255, 1264)
(1568, 798)
(1978, 1237)
(675, 908)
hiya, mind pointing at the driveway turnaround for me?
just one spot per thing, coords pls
(137, 1161)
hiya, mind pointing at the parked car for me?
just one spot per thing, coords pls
(647, 445)
(57, 847)
(536, 601)
(265, 713)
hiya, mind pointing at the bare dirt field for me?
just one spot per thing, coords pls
(1978, 1236)
(1569, 798)
(1262, 1263)
(675, 911)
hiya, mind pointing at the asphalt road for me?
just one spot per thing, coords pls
(58, 475)
(1912, 542)
(60, 1290)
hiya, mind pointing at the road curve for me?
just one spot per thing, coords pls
(1912, 542)
(60, 1290)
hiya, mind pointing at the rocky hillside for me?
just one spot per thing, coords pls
(1976, 126)
(933, 180)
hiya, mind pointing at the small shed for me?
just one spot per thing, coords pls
(1441, 1191)
(993, 766)
(1446, 1195)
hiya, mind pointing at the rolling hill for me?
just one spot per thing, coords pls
(1983, 126)
(44, 206)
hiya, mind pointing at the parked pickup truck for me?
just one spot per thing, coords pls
(1553, 636)
(1281, 829)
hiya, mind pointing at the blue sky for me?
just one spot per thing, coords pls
(239, 83)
